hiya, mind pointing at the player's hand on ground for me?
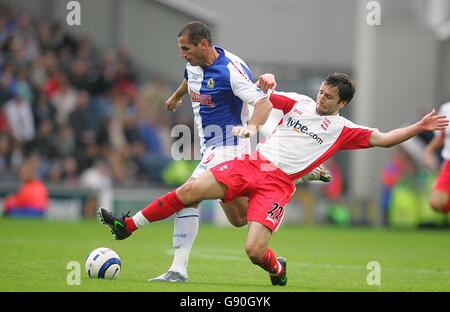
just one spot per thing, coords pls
(244, 132)
(433, 122)
(172, 104)
(267, 82)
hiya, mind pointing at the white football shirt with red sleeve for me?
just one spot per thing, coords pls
(304, 139)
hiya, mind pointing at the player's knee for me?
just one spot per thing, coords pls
(241, 223)
(237, 215)
(436, 207)
(254, 253)
(194, 204)
(437, 204)
(238, 222)
(187, 192)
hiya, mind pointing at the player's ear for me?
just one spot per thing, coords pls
(204, 43)
(342, 104)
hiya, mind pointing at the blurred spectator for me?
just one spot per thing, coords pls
(23, 87)
(152, 100)
(54, 175)
(81, 121)
(32, 198)
(70, 172)
(87, 157)
(338, 210)
(152, 164)
(400, 166)
(44, 142)
(8, 85)
(20, 118)
(97, 178)
(43, 109)
(66, 141)
(153, 113)
(4, 154)
(64, 99)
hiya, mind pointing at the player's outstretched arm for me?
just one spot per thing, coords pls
(174, 100)
(262, 110)
(430, 122)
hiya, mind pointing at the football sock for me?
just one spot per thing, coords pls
(131, 224)
(185, 231)
(270, 263)
(158, 209)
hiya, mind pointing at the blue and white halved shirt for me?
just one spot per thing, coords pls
(219, 93)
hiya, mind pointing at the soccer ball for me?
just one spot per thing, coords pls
(103, 263)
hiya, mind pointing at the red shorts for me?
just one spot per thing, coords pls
(442, 182)
(269, 189)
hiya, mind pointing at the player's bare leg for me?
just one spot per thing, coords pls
(236, 211)
(205, 187)
(439, 201)
(259, 253)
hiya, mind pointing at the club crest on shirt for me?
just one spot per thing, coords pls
(223, 168)
(211, 84)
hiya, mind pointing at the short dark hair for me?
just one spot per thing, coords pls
(196, 31)
(344, 84)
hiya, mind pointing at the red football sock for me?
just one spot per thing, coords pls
(270, 263)
(130, 226)
(163, 207)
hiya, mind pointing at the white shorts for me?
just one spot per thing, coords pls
(217, 155)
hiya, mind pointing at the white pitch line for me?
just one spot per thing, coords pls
(214, 255)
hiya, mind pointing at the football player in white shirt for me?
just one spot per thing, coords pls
(309, 133)
(220, 86)
(440, 196)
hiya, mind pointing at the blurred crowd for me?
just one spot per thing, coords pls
(81, 111)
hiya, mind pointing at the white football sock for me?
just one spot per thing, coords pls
(185, 231)
(140, 220)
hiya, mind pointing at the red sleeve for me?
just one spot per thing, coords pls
(282, 102)
(355, 138)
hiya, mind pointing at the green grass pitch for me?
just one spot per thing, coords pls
(34, 255)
